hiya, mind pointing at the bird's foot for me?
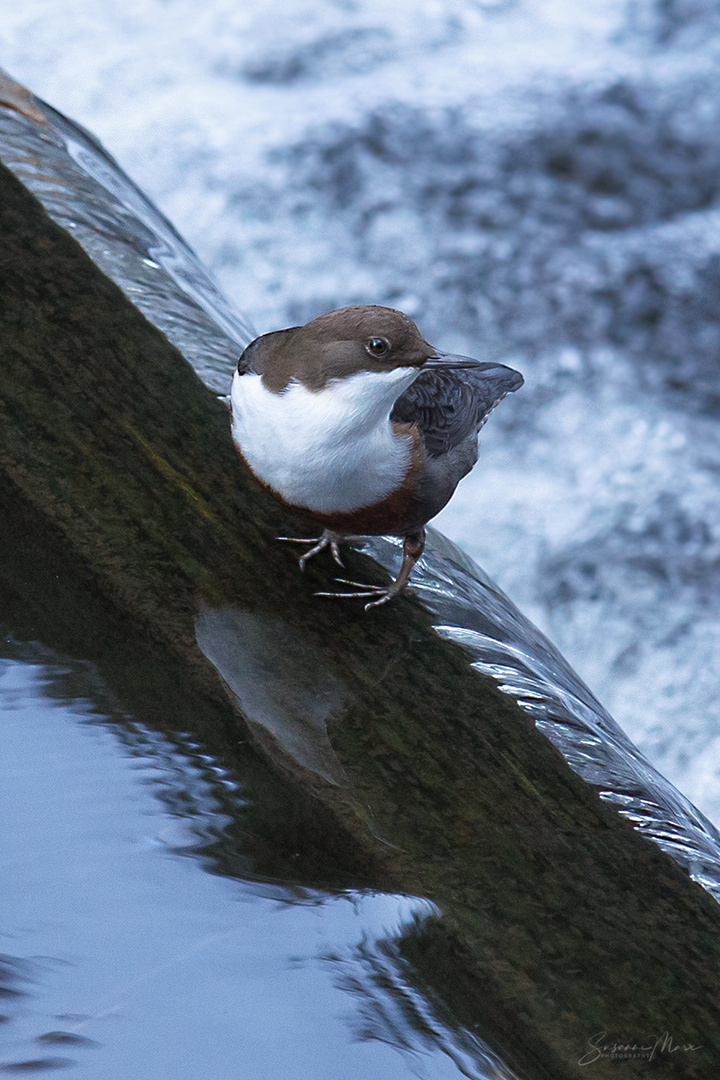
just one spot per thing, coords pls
(328, 539)
(382, 593)
(413, 546)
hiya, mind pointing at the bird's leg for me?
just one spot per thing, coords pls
(328, 539)
(413, 547)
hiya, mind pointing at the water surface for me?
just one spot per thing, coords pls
(126, 952)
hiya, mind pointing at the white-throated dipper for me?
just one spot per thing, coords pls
(354, 421)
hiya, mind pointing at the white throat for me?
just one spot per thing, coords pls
(332, 450)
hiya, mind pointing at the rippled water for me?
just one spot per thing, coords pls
(123, 957)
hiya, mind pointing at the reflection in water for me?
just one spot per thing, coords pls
(128, 960)
(14, 973)
(283, 681)
(391, 1010)
(19, 976)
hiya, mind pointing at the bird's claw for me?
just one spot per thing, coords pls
(382, 593)
(378, 594)
(318, 546)
(334, 548)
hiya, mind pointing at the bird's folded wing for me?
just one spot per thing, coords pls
(449, 406)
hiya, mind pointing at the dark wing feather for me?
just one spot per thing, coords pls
(449, 405)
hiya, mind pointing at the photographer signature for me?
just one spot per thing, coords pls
(601, 1046)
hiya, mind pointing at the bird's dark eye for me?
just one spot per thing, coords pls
(377, 346)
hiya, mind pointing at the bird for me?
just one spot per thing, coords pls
(357, 423)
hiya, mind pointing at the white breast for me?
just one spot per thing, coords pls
(333, 450)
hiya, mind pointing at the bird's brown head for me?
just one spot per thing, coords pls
(336, 345)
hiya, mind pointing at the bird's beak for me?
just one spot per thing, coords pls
(451, 360)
